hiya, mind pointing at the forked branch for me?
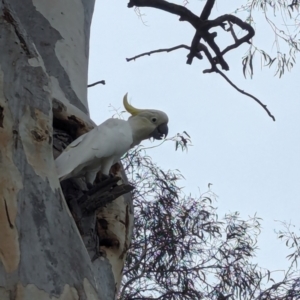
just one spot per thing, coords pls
(202, 25)
(201, 47)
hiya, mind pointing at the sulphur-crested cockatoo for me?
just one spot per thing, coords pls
(104, 145)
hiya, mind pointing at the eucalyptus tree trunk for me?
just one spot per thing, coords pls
(44, 48)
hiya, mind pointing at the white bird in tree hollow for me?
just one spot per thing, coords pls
(100, 148)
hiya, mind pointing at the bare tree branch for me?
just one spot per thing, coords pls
(202, 47)
(245, 93)
(193, 48)
(243, 25)
(202, 26)
(95, 83)
(158, 51)
(207, 9)
(231, 30)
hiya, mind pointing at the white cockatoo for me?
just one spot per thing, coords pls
(98, 149)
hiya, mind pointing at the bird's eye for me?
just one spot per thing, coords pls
(153, 120)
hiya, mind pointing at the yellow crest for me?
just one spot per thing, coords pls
(132, 110)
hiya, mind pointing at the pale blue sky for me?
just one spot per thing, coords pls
(252, 161)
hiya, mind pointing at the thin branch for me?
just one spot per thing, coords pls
(245, 93)
(158, 51)
(95, 83)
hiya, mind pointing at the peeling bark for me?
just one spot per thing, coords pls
(43, 96)
(114, 226)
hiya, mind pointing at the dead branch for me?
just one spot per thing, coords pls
(245, 93)
(158, 51)
(243, 25)
(202, 47)
(199, 33)
(95, 83)
(219, 57)
(193, 48)
(231, 30)
(103, 193)
(207, 9)
(202, 26)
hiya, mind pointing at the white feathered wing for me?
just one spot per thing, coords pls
(96, 150)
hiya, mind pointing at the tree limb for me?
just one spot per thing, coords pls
(193, 48)
(245, 93)
(243, 25)
(202, 47)
(202, 26)
(219, 57)
(101, 194)
(207, 9)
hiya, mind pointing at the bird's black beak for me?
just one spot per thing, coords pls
(160, 132)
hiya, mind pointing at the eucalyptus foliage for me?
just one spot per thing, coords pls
(182, 249)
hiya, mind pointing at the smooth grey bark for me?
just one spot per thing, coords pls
(43, 80)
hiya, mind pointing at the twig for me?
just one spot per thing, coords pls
(95, 83)
(245, 93)
(158, 51)
(232, 31)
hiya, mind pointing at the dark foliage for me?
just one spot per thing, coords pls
(182, 250)
(282, 19)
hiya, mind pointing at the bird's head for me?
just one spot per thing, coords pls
(147, 122)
